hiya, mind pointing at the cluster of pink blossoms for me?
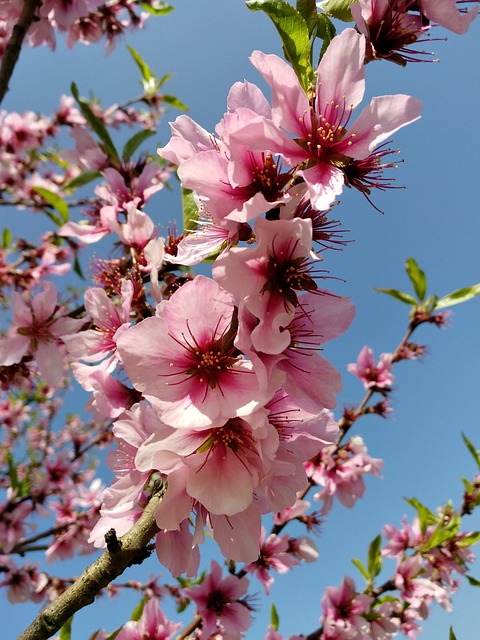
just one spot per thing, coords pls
(231, 391)
(218, 391)
(392, 27)
(84, 21)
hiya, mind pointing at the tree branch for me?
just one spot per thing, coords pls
(14, 45)
(130, 549)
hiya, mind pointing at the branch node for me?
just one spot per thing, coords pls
(114, 545)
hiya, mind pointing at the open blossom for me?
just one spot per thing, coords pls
(237, 190)
(274, 555)
(389, 29)
(447, 14)
(37, 331)
(373, 375)
(418, 590)
(222, 465)
(99, 344)
(184, 361)
(324, 141)
(222, 604)
(266, 279)
(340, 472)
(318, 319)
(152, 625)
(342, 608)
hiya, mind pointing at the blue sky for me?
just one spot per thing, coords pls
(435, 219)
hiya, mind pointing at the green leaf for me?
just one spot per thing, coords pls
(135, 141)
(452, 636)
(82, 179)
(114, 634)
(443, 533)
(66, 630)
(339, 9)
(456, 297)
(358, 563)
(468, 540)
(55, 200)
(12, 471)
(398, 295)
(7, 238)
(308, 11)
(326, 31)
(150, 82)
(77, 268)
(425, 516)
(375, 557)
(163, 79)
(157, 8)
(430, 304)
(173, 101)
(190, 210)
(97, 125)
(294, 34)
(137, 612)
(417, 277)
(274, 620)
(473, 581)
(471, 448)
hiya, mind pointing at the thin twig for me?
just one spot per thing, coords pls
(14, 45)
(194, 624)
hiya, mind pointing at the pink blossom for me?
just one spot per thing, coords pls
(152, 625)
(143, 182)
(318, 319)
(120, 516)
(383, 625)
(64, 15)
(184, 360)
(225, 462)
(302, 434)
(303, 548)
(136, 231)
(110, 320)
(131, 430)
(222, 604)
(342, 612)
(109, 397)
(238, 189)
(23, 583)
(389, 29)
(446, 14)
(266, 279)
(419, 591)
(205, 240)
(88, 152)
(319, 124)
(12, 523)
(408, 537)
(273, 555)
(154, 255)
(36, 331)
(341, 473)
(371, 374)
(290, 513)
(178, 551)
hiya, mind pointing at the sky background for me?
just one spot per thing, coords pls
(435, 219)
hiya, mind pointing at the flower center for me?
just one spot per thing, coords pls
(286, 274)
(267, 179)
(211, 363)
(216, 602)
